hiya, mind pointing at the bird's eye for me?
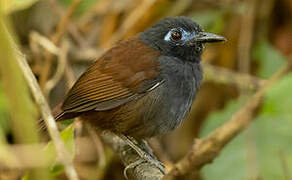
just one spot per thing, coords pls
(176, 35)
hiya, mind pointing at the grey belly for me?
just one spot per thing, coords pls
(163, 111)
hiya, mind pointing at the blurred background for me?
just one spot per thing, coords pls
(60, 38)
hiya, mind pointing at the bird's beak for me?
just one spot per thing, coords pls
(205, 37)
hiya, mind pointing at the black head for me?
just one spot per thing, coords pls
(178, 36)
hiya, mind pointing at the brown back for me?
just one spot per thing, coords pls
(124, 72)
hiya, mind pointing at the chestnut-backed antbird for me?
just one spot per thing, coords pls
(143, 86)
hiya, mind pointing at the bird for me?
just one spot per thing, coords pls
(143, 86)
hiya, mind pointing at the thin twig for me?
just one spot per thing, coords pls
(205, 150)
(61, 29)
(62, 53)
(62, 61)
(246, 36)
(222, 75)
(36, 38)
(64, 22)
(72, 28)
(62, 153)
(130, 21)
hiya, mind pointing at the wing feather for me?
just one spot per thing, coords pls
(120, 75)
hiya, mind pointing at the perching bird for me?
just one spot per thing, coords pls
(143, 86)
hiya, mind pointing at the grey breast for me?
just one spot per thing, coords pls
(175, 96)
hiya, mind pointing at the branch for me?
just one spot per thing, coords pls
(62, 61)
(144, 170)
(226, 76)
(205, 150)
(46, 112)
(246, 35)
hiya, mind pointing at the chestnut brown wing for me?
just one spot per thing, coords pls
(126, 71)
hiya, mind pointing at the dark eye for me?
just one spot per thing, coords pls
(176, 35)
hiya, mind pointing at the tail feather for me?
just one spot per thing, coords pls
(57, 113)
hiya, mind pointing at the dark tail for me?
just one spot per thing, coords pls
(57, 113)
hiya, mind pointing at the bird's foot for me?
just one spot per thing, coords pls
(148, 157)
(132, 166)
(145, 159)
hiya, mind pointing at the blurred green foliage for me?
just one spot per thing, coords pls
(231, 163)
(271, 133)
(210, 20)
(268, 57)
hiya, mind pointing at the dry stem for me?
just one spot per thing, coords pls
(47, 116)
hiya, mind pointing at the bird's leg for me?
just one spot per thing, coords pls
(144, 152)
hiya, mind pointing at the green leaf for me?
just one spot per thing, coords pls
(26, 176)
(271, 135)
(268, 57)
(67, 136)
(57, 170)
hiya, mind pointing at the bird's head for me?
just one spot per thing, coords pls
(180, 37)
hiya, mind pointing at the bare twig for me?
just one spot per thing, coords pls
(64, 22)
(226, 76)
(36, 38)
(246, 36)
(61, 29)
(72, 28)
(46, 114)
(62, 53)
(130, 21)
(206, 149)
(62, 61)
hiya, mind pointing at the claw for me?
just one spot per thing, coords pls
(144, 155)
(132, 166)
